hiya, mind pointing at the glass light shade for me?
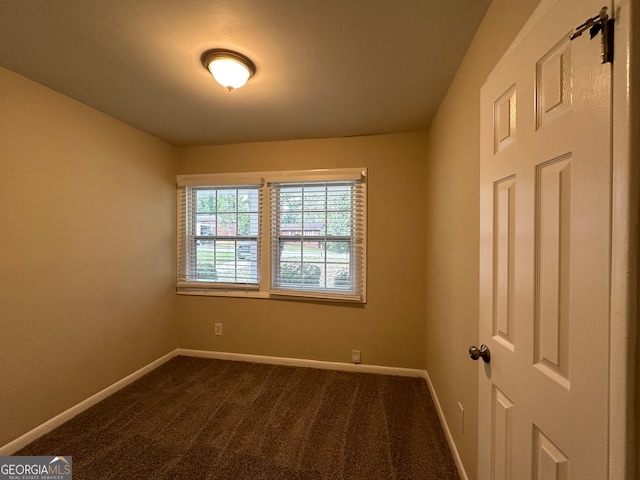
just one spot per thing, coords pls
(229, 72)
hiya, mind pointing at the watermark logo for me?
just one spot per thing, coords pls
(36, 468)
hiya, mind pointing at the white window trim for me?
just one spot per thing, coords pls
(263, 290)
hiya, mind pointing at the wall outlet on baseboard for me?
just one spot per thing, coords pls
(355, 356)
(217, 329)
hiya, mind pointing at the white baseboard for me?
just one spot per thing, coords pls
(24, 440)
(299, 362)
(447, 433)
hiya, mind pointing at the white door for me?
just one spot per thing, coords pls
(545, 253)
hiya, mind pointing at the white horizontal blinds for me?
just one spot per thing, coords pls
(183, 199)
(318, 238)
(219, 236)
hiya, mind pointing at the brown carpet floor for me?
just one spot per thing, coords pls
(195, 418)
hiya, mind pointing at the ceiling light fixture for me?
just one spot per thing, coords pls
(230, 69)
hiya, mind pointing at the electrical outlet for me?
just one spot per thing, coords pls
(461, 417)
(355, 356)
(217, 329)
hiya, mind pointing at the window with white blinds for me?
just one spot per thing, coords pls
(315, 246)
(317, 238)
(219, 236)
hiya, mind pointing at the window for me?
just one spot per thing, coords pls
(219, 235)
(316, 237)
(314, 247)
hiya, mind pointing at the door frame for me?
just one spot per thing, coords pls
(624, 366)
(624, 332)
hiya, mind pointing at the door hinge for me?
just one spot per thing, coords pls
(604, 25)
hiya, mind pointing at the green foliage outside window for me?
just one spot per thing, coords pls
(228, 205)
(342, 279)
(297, 274)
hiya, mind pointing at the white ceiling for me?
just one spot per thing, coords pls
(325, 68)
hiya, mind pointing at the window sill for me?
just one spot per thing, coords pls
(224, 293)
(270, 295)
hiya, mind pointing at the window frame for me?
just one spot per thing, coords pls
(266, 181)
(309, 192)
(185, 208)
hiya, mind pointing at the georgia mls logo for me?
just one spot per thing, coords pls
(63, 463)
(35, 468)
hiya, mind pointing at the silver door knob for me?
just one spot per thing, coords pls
(483, 352)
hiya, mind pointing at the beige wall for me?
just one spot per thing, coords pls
(389, 329)
(452, 201)
(87, 246)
